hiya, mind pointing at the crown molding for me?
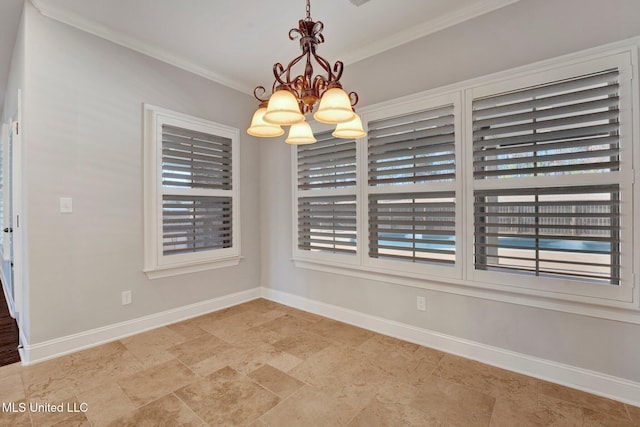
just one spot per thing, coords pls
(424, 29)
(405, 36)
(91, 27)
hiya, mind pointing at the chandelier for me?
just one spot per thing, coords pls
(293, 97)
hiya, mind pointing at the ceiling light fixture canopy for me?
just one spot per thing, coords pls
(293, 97)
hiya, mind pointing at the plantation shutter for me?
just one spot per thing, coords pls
(196, 215)
(415, 227)
(327, 223)
(327, 207)
(413, 148)
(561, 129)
(413, 224)
(329, 163)
(556, 129)
(193, 159)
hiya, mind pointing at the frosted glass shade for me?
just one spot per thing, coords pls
(300, 133)
(262, 129)
(283, 109)
(351, 129)
(335, 107)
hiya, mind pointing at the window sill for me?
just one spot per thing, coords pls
(594, 307)
(169, 271)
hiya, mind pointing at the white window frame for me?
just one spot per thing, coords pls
(577, 290)
(322, 256)
(419, 269)
(158, 265)
(606, 301)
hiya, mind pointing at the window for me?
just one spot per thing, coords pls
(551, 189)
(517, 188)
(412, 189)
(326, 198)
(191, 216)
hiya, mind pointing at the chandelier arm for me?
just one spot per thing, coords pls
(294, 33)
(316, 32)
(338, 68)
(292, 64)
(324, 64)
(278, 71)
(354, 98)
(259, 92)
(320, 84)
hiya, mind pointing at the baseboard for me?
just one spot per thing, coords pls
(40, 352)
(583, 379)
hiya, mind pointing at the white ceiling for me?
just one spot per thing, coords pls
(236, 43)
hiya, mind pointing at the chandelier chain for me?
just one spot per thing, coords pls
(308, 10)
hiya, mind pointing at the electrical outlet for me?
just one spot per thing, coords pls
(421, 304)
(126, 297)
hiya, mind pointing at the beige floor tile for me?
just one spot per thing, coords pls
(309, 407)
(234, 324)
(103, 364)
(10, 369)
(198, 349)
(397, 392)
(306, 316)
(244, 358)
(207, 319)
(598, 419)
(152, 383)
(357, 396)
(43, 377)
(488, 379)
(42, 416)
(341, 332)
(382, 344)
(75, 420)
(150, 348)
(262, 305)
(247, 358)
(279, 366)
(429, 354)
(634, 413)
(275, 380)
(166, 411)
(12, 388)
(581, 398)
(302, 346)
(285, 361)
(17, 415)
(257, 334)
(258, 423)
(105, 403)
(454, 403)
(227, 397)
(509, 413)
(389, 414)
(338, 365)
(289, 325)
(407, 367)
(189, 329)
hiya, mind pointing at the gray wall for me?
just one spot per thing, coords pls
(520, 34)
(84, 140)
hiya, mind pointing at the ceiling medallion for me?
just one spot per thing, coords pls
(293, 97)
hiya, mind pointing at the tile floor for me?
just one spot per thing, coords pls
(264, 364)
